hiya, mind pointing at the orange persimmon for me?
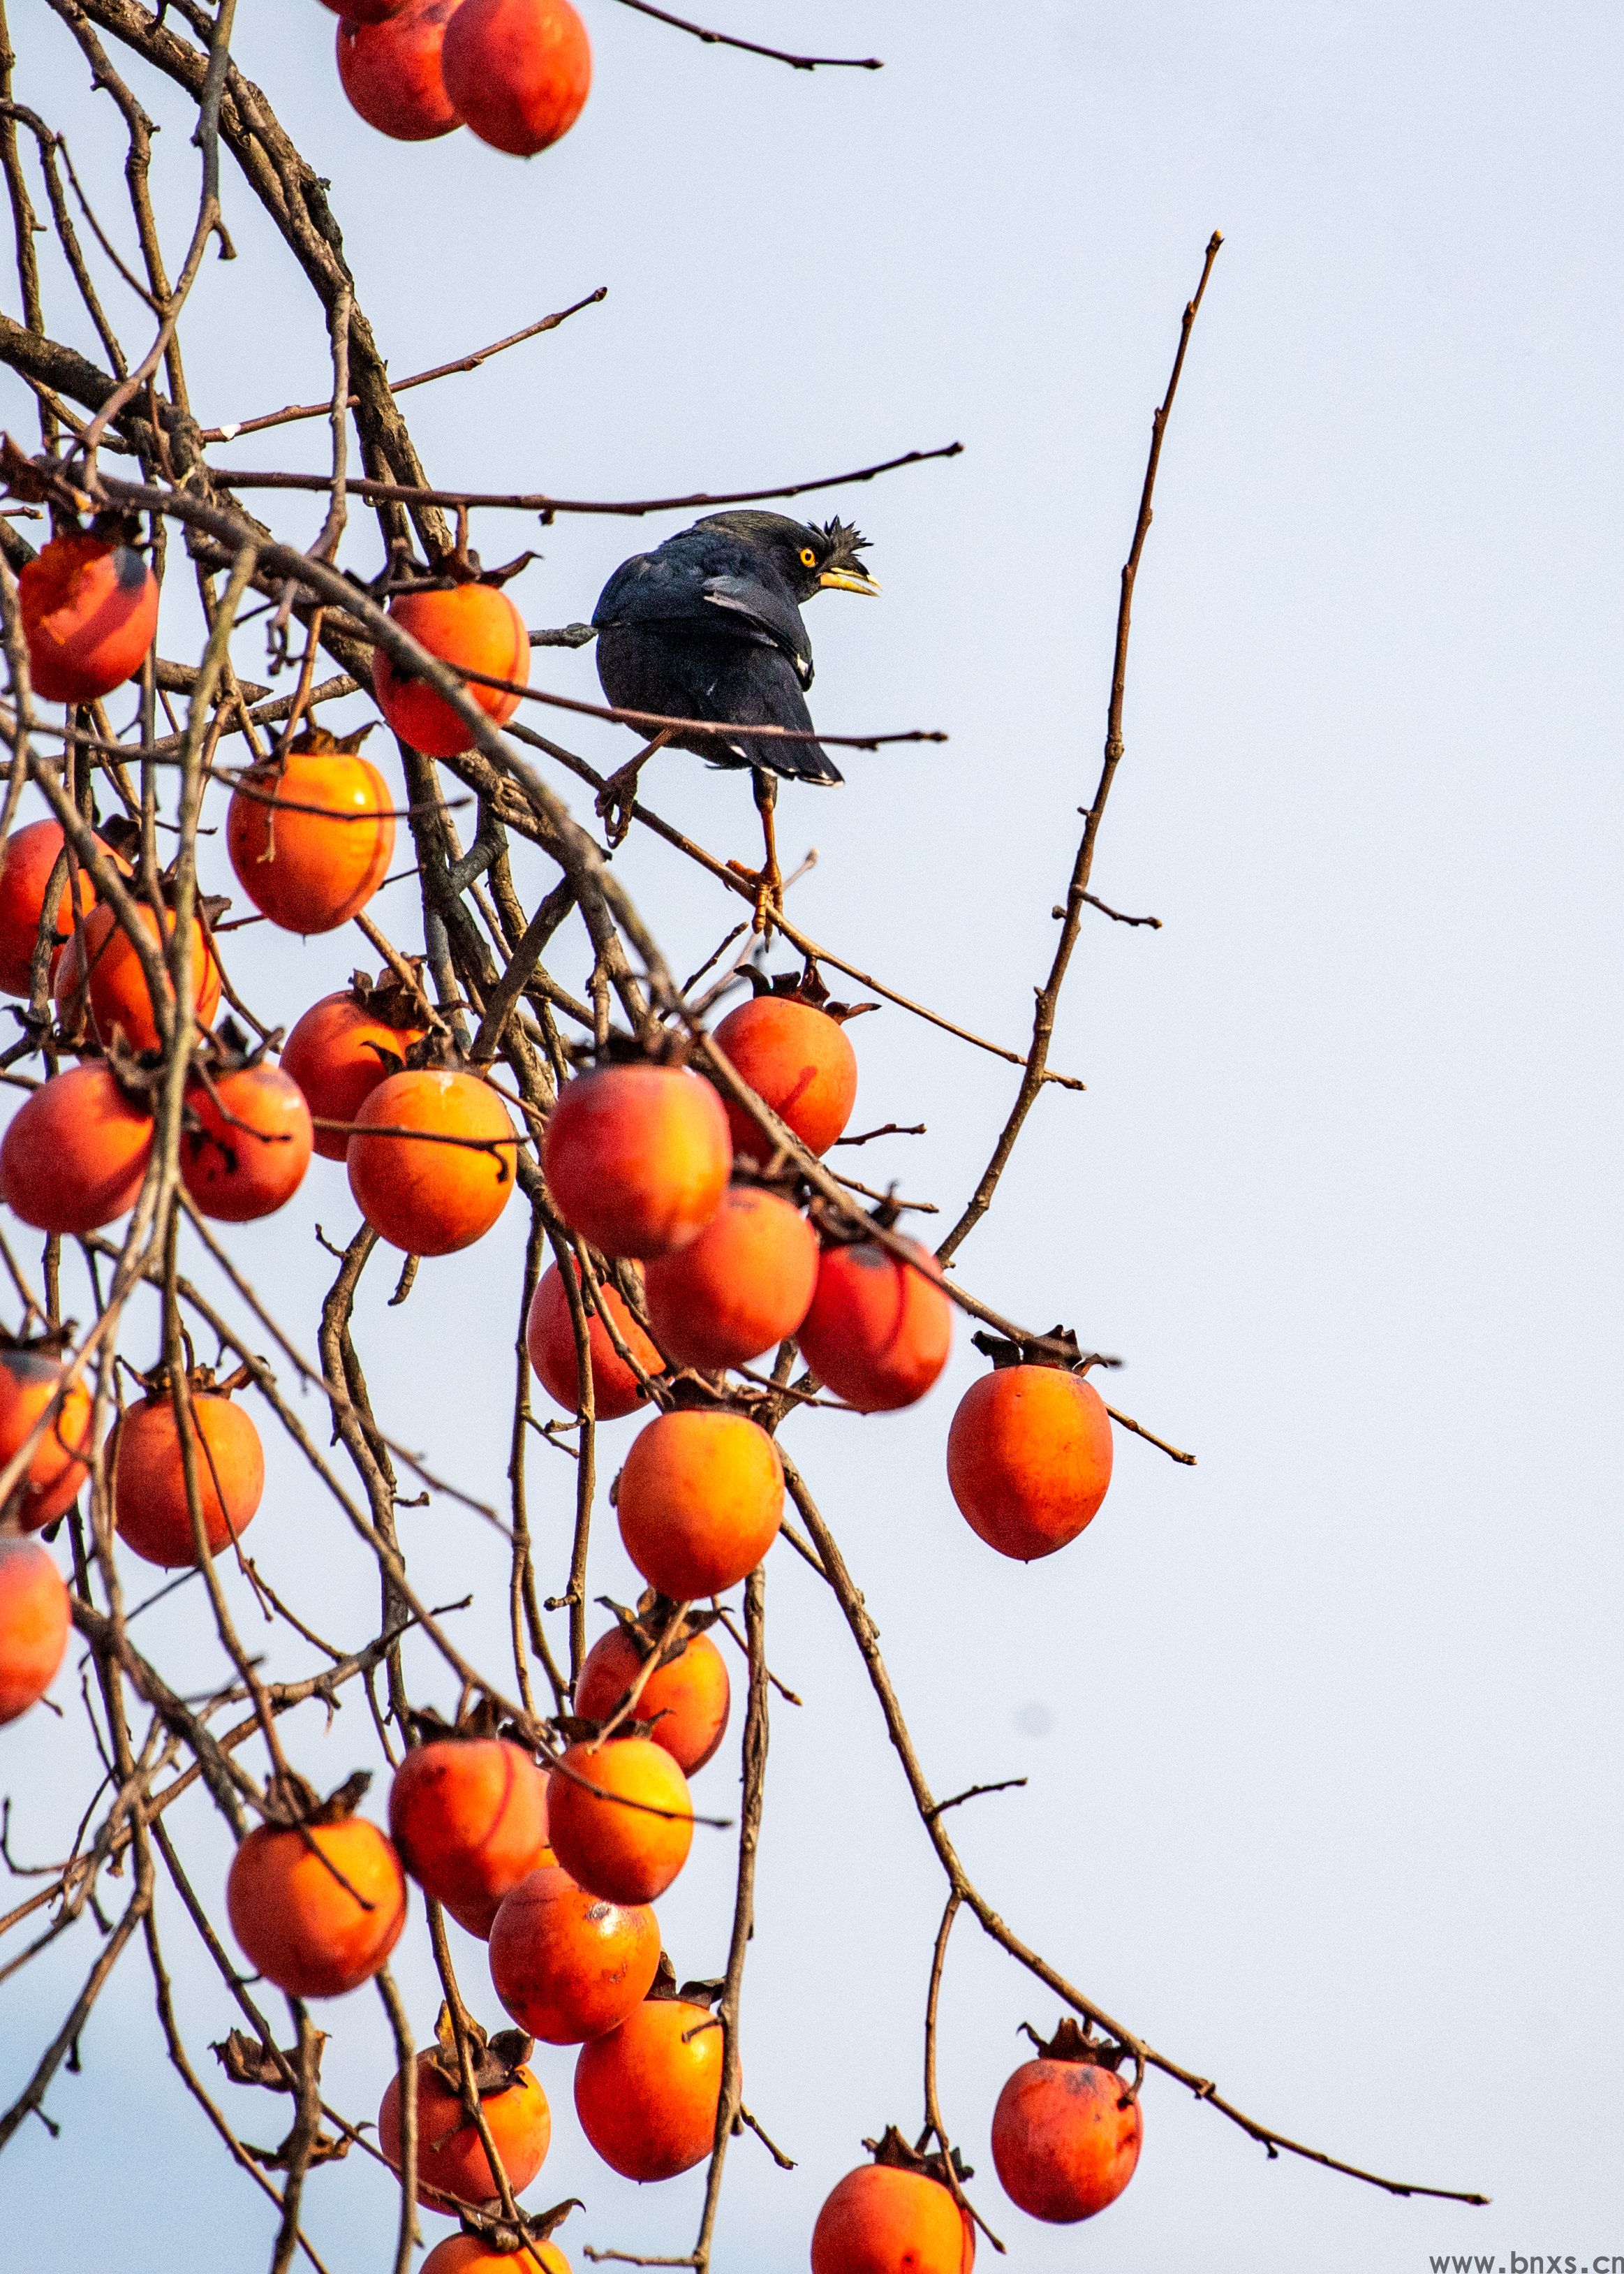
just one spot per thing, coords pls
(29, 857)
(567, 1964)
(797, 1059)
(472, 627)
(550, 1338)
(89, 610)
(34, 1621)
(468, 1816)
(621, 1819)
(878, 1332)
(247, 1142)
(700, 1500)
(883, 2218)
(143, 1455)
(741, 1288)
(646, 2093)
(311, 871)
(466, 2253)
(687, 1699)
(1029, 1459)
(433, 1193)
(344, 1046)
(76, 1153)
(451, 2157)
(1065, 2133)
(638, 1157)
(390, 69)
(316, 1931)
(517, 71)
(118, 995)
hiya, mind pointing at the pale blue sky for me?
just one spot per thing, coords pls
(1324, 1781)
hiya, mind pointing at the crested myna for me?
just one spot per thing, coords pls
(708, 626)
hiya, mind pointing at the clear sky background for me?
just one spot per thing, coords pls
(1322, 1736)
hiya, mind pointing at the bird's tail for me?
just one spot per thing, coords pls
(776, 754)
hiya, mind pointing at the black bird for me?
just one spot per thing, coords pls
(708, 626)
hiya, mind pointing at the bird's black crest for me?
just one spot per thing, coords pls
(844, 543)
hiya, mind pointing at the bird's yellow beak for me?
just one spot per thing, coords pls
(846, 580)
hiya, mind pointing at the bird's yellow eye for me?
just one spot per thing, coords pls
(808, 558)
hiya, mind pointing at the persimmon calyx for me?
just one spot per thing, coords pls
(691, 1993)
(805, 987)
(892, 2150)
(1059, 1348)
(50, 1342)
(502, 2236)
(250, 2061)
(201, 1381)
(655, 1625)
(389, 1000)
(1071, 2044)
(494, 2060)
(292, 1804)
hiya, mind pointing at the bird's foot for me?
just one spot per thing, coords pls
(614, 802)
(769, 884)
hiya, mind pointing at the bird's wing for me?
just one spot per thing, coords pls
(702, 578)
(767, 616)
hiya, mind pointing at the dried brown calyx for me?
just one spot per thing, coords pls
(494, 2060)
(892, 2150)
(444, 571)
(658, 1627)
(501, 2236)
(252, 2061)
(691, 1993)
(662, 1046)
(50, 1342)
(389, 999)
(291, 1803)
(1058, 1348)
(201, 1381)
(806, 986)
(1071, 2044)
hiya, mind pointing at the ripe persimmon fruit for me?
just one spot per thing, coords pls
(550, 1338)
(468, 1815)
(686, 1700)
(700, 1500)
(247, 1142)
(29, 857)
(472, 627)
(889, 2216)
(317, 1908)
(344, 1046)
(451, 2157)
(119, 996)
(518, 71)
(434, 1192)
(311, 871)
(741, 1288)
(1029, 1457)
(568, 1965)
(143, 1455)
(89, 608)
(621, 1819)
(390, 70)
(31, 1375)
(1065, 2133)
(646, 2093)
(638, 1157)
(878, 1332)
(364, 12)
(34, 1621)
(797, 1059)
(75, 1155)
(466, 2253)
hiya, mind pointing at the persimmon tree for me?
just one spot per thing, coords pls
(684, 1219)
